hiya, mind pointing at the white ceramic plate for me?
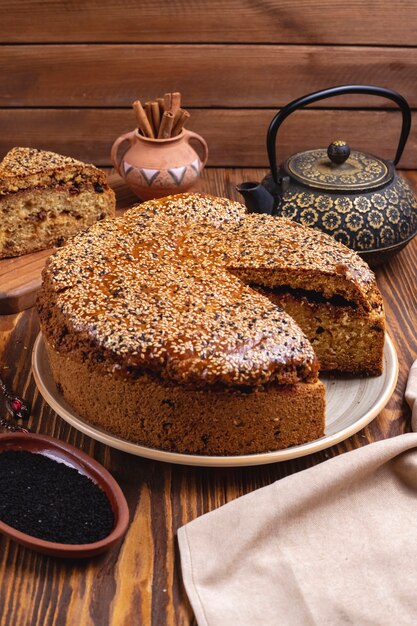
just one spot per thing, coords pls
(351, 404)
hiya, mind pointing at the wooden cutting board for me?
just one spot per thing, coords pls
(20, 280)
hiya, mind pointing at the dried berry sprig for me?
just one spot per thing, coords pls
(18, 408)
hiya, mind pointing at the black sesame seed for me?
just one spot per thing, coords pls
(50, 500)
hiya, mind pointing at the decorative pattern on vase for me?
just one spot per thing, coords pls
(180, 176)
(148, 174)
(367, 222)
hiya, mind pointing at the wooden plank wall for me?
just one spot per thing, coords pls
(70, 70)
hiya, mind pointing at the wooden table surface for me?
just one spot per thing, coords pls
(139, 581)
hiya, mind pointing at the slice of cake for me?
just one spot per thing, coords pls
(325, 287)
(46, 197)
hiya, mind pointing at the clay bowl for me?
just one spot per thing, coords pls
(60, 450)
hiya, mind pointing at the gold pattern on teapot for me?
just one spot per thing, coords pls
(360, 171)
(363, 222)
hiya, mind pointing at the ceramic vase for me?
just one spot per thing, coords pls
(153, 168)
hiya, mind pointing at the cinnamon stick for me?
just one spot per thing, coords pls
(167, 101)
(177, 116)
(156, 117)
(162, 117)
(166, 125)
(161, 102)
(183, 117)
(142, 119)
(175, 101)
(172, 101)
(148, 111)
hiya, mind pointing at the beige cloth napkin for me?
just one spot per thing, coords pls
(332, 545)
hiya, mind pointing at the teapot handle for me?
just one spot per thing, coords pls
(115, 148)
(328, 93)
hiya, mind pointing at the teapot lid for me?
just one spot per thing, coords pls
(339, 169)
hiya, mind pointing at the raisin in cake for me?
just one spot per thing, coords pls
(45, 198)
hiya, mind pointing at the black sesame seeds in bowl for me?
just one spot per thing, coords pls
(56, 499)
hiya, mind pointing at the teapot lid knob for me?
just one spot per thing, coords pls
(338, 152)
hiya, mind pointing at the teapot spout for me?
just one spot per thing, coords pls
(257, 197)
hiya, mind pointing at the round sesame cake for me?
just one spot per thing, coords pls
(157, 331)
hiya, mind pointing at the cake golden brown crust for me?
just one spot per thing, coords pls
(163, 295)
(24, 168)
(192, 421)
(46, 198)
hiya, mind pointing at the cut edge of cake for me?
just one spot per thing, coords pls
(45, 198)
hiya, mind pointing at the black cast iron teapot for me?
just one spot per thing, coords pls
(358, 198)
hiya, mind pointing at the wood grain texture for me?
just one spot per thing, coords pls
(139, 583)
(208, 75)
(308, 21)
(20, 279)
(233, 136)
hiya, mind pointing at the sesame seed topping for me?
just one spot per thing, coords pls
(23, 168)
(165, 290)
